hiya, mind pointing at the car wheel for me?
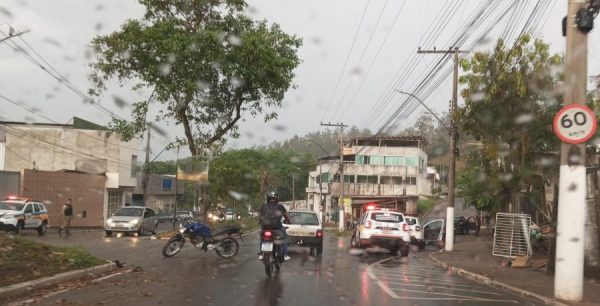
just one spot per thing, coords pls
(42, 229)
(108, 233)
(404, 250)
(353, 242)
(320, 250)
(421, 245)
(393, 250)
(155, 229)
(140, 231)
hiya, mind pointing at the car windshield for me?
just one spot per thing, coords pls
(11, 206)
(387, 217)
(304, 218)
(411, 221)
(129, 212)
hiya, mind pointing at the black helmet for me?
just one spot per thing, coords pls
(272, 196)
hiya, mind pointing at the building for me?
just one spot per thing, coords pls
(81, 147)
(383, 171)
(160, 192)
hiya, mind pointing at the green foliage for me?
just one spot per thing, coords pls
(243, 176)
(163, 167)
(206, 63)
(509, 105)
(424, 205)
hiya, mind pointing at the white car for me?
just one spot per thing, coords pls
(132, 219)
(306, 230)
(383, 228)
(17, 214)
(416, 231)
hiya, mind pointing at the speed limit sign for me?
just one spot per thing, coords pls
(575, 123)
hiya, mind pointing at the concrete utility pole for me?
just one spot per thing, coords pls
(341, 199)
(453, 149)
(321, 205)
(568, 279)
(146, 168)
(176, 188)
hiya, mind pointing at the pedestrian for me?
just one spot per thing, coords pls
(68, 215)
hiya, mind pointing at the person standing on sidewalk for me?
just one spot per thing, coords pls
(68, 215)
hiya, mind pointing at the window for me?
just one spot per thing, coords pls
(393, 160)
(377, 160)
(324, 177)
(387, 180)
(133, 165)
(167, 184)
(412, 161)
(114, 201)
(411, 180)
(362, 160)
(36, 208)
(386, 217)
(28, 209)
(349, 179)
(366, 179)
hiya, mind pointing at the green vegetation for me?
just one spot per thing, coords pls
(423, 206)
(510, 100)
(22, 260)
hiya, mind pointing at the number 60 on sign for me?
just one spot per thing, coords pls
(575, 123)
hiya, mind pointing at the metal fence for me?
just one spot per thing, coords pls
(511, 235)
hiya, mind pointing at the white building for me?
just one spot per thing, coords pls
(383, 171)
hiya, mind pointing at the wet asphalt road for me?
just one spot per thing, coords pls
(339, 277)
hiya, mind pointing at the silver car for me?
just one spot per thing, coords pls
(132, 219)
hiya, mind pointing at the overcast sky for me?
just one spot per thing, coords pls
(378, 54)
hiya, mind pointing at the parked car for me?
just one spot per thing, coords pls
(306, 230)
(463, 225)
(434, 231)
(416, 233)
(383, 228)
(17, 214)
(132, 219)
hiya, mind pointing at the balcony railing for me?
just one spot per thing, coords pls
(362, 189)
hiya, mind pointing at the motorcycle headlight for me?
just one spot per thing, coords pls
(134, 221)
(182, 229)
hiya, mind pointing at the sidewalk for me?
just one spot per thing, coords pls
(474, 254)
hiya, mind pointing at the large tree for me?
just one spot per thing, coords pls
(206, 63)
(510, 100)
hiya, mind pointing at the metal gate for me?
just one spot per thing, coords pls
(511, 235)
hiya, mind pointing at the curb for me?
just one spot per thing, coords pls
(30, 286)
(488, 281)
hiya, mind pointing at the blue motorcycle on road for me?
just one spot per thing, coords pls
(201, 237)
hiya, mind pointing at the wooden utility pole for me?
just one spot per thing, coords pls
(342, 210)
(568, 279)
(146, 176)
(453, 148)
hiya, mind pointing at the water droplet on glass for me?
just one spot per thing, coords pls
(119, 102)
(237, 82)
(234, 40)
(505, 177)
(6, 12)
(279, 127)
(52, 42)
(125, 54)
(165, 69)
(98, 26)
(524, 119)
(171, 58)
(478, 96)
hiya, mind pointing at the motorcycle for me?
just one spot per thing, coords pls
(272, 251)
(200, 236)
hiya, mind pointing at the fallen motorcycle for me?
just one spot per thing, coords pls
(201, 237)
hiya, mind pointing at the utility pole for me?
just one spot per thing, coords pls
(176, 188)
(453, 149)
(341, 199)
(146, 168)
(568, 279)
(293, 190)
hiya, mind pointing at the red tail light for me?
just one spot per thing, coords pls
(267, 234)
(417, 228)
(319, 233)
(405, 227)
(368, 224)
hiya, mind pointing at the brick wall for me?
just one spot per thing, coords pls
(54, 188)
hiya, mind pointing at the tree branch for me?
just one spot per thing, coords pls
(219, 133)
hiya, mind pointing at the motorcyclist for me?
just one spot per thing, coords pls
(270, 215)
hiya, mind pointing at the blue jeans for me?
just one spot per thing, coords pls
(284, 245)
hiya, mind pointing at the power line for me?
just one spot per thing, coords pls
(347, 58)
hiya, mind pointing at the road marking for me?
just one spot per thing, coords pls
(445, 288)
(387, 289)
(463, 297)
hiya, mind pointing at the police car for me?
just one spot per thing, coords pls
(382, 228)
(17, 214)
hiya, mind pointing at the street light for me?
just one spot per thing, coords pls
(321, 206)
(424, 105)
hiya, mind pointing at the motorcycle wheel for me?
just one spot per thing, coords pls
(267, 260)
(173, 246)
(228, 247)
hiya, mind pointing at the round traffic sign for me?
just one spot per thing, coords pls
(575, 123)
